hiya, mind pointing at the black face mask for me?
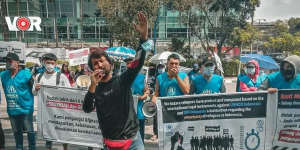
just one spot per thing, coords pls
(152, 72)
(288, 74)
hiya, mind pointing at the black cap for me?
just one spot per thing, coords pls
(49, 56)
(160, 65)
(12, 56)
(208, 60)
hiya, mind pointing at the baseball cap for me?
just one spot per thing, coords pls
(12, 56)
(49, 56)
(208, 60)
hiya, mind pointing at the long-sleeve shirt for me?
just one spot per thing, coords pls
(114, 102)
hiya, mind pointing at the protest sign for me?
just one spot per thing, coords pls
(287, 131)
(61, 119)
(219, 121)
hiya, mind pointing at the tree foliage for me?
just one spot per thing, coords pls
(244, 37)
(285, 42)
(208, 19)
(294, 25)
(121, 14)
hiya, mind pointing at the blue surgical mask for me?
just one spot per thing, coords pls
(209, 70)
(250, 71)
(10, 66)
(49, 67)
(160, 71)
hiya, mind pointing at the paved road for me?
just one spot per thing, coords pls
(230, 84)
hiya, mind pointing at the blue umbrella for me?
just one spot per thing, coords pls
(121, 52)
(265, 62)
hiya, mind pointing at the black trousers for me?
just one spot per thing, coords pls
(155, 130)
(2, 139)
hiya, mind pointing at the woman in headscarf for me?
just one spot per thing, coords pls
(250, 80)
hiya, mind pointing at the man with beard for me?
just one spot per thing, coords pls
(287, 78)
(112, 96)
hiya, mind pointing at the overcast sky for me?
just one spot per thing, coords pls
(272, 10)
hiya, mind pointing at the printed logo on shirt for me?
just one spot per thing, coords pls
(207, 92)
(107, 92)
(11, 92)
(171, 91)
(11, 89)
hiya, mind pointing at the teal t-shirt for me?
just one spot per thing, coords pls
(202, 86)
(245, 79)
(18, 94)
(137, 87)
(169, 87)
(276, 80)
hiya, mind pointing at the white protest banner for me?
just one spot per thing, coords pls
(287, 133)
(61, 119)
(12, 47)
(219, 121)
(77, 57)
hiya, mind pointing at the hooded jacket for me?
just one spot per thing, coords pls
(276, 80)
(247, 83)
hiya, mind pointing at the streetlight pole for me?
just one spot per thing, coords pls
(99, 32)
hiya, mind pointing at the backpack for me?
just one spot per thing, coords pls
(57, 77)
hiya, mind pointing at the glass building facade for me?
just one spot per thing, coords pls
(66, 15)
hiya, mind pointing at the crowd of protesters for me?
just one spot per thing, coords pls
(111, 94)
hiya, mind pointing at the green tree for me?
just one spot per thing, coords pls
(214, 21)
(244, 37)
(121, 14)
(294, 25)
(280, 28)
(285, 42)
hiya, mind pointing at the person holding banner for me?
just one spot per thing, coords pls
(208, 82)
(287, 78)
(194, 72)
(140, 88)
(52, 78)
(172, 82)
(250, 80)
(112, 96)
(19, 98)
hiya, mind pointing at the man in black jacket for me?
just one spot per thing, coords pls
(112, 97)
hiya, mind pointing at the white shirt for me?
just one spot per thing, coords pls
(50, 79)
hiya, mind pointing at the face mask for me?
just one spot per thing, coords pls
(160, 71)
(209, 70)
(250, 71)
(49, 67)
(288, 74)
(10, 67)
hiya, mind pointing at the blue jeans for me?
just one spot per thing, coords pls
(18, 122)
(142, 128)
(2, 139)
(137, 143)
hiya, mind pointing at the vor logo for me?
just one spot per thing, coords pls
(23, 23)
